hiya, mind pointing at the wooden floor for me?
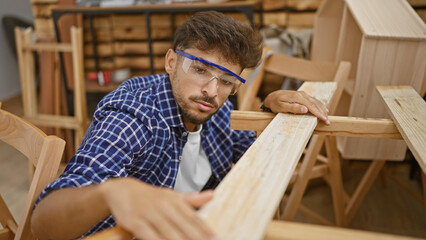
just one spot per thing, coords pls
(387, 208)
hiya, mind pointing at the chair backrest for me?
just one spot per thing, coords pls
(44, 152)
(26, 48)
(294, 67)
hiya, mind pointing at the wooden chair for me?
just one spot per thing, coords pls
(25, 51)
(44, 153)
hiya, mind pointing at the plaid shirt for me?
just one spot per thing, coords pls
(137, 131)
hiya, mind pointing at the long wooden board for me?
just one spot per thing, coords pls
(246, 199)
(408, 111)
(283, 230)
(340, 126)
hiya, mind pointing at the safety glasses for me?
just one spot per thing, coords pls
(203, 72)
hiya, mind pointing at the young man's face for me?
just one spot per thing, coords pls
(199, 89)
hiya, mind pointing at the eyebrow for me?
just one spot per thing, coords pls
(210, 67)
(210, 63)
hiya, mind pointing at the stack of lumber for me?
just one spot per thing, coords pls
(290, 13)
(42, 18)
(122, 40)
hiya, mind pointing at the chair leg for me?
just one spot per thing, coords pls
(31, 170)
(6, 218)
(336, 182)
(424, 188)
(362, 189)
(303, 177)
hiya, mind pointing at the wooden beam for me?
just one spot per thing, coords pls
(340, 126)
(258, 181)
(408, 110)
(58, 47)
(43, 120)
(283, 230)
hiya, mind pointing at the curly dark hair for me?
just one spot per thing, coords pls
(211, 30)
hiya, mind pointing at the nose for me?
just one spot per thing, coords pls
(211, 88)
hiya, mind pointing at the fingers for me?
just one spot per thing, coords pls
(292, 108)
(197, 200)
(143, 230)
(190, 224)
(296, 102)
(159, 213)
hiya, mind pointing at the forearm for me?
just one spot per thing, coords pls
(69, 212)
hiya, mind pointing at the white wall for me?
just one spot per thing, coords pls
(9, 74)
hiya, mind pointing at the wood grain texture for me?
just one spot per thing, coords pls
(297, 231)
(387, 18)
(408, 110)
(259, 179)
(44, 152)
(340, 126)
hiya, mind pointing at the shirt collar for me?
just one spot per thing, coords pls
(168, 105)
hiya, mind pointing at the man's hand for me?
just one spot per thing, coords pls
(156, 213)
(296, 102)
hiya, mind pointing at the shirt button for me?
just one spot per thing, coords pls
(185, 133)
(180, 158)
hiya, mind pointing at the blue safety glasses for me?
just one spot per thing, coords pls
(203, 72)
(187, 55)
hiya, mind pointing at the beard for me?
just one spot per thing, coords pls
(195, 116)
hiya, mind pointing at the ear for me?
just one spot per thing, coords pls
(171, 59)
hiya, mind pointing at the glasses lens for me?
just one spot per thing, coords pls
(203, 73)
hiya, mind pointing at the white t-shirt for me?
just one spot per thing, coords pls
(194, 168)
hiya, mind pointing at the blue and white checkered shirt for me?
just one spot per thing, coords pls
(137, 131)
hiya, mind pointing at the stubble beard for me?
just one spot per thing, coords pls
(193, 116)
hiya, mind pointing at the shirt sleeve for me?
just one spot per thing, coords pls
(242, 141)
(108, 148)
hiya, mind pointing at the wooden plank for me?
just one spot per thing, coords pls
(55, 47)
(258, 181)
(99, 22)
(43, 1)
(104, 64)
(340, 126)
(102, 49)
(300, 68)
(408, 111)
(67, 122)
(295, 5)
(101, 35)
(158, 47)
(6, 234)
(362, 189)
(302, 5)
(387, 18)
(298, 19)
(43, 10)
(141, 62)
(136, 33)
(283, 230)
(44, 28)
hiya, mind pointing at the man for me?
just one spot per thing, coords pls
(170, 131)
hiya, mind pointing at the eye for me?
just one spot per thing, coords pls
(198, 69)
(226, 81)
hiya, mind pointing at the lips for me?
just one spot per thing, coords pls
(203, 106)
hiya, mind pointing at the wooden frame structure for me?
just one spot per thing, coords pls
(245, 200)
(44, 153)
(385, 41)
(25, 52)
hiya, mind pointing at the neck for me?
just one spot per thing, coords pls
(191, 126)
